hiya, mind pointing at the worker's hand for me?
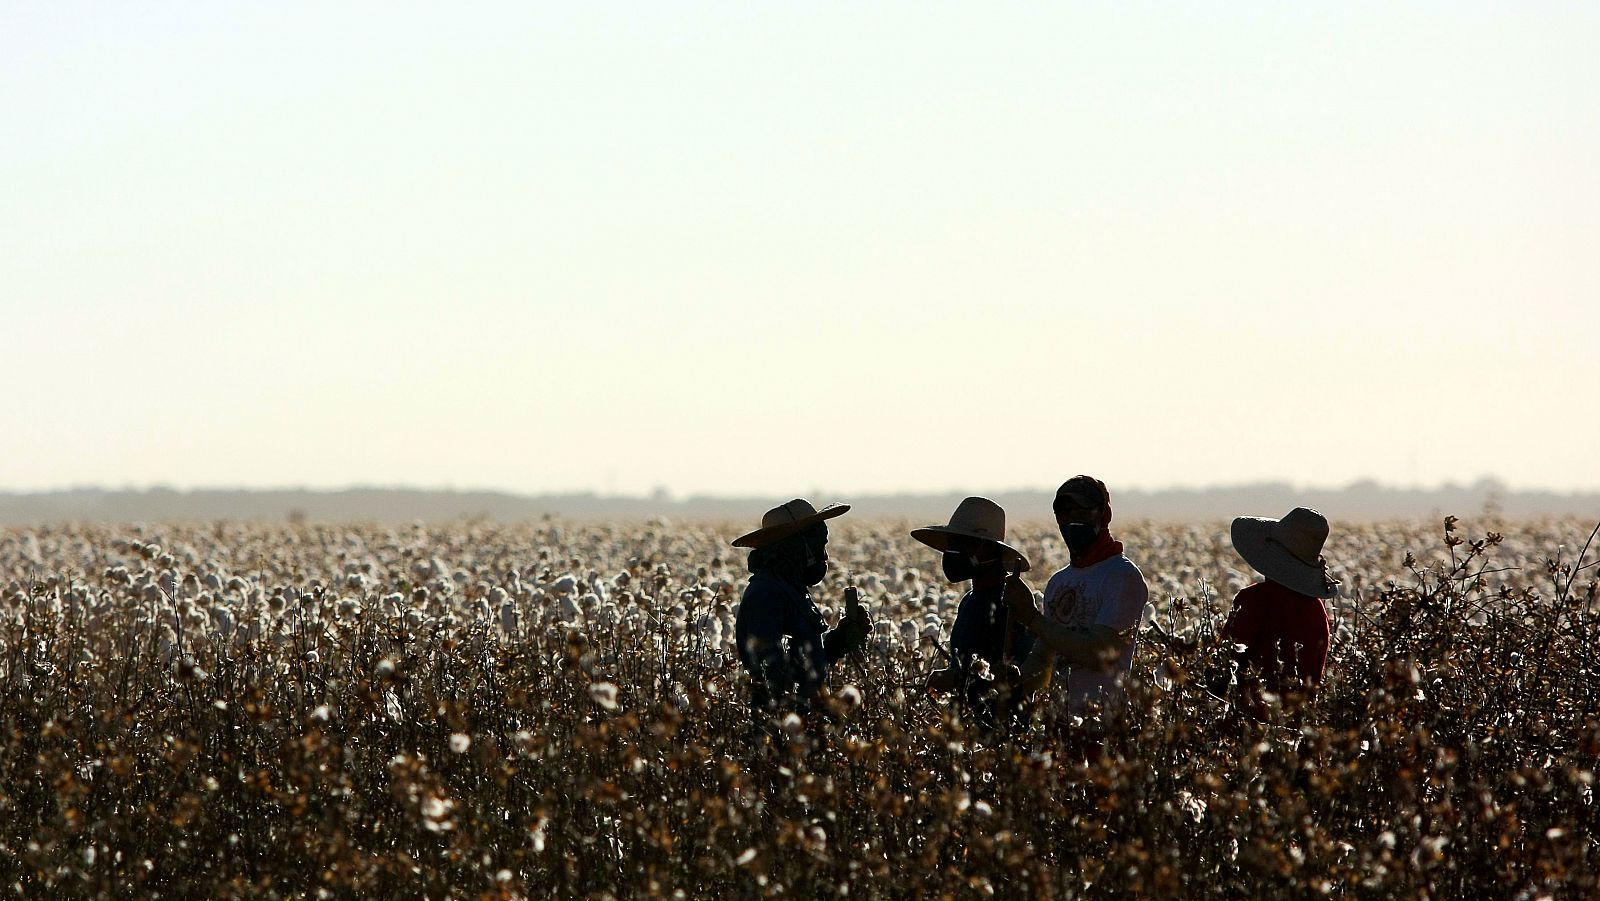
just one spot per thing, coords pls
(851, 634)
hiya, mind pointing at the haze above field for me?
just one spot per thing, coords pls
(1364, 500)
(743, 250)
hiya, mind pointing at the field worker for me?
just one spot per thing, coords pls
(782, 637)
(1280, 622)
(1091, 611)
(983, 640)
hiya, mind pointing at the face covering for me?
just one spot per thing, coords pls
(816, 566)
(1079, 536)
(958, 567)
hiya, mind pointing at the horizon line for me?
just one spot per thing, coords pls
(664, 493)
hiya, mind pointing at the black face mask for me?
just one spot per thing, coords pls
(816, 568)
(958, 567)
(1080, 536)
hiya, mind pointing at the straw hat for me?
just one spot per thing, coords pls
(1288, 551)
(977, 521)
(782, 521)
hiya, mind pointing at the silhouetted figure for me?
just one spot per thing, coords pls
(1280, 622)
(983, 640)
(782, 638)
(1091, 613)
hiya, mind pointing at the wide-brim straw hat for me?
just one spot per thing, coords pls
(1288, 550)
(977, 524)
(786, 519)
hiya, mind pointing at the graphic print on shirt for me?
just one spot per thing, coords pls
(1069, 608)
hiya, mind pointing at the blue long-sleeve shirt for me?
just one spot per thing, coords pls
(781, 671)
(980, 630)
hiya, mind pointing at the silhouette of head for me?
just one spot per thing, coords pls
(1082, 508)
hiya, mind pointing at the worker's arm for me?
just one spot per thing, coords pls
(1095, 647)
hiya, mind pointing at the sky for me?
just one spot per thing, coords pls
(777, 248)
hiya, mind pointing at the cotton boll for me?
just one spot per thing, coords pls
(569, 609)
(222, 621)
(604, 694)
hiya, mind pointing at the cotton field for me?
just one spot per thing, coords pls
(554, 709)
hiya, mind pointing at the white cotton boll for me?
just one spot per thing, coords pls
(851, 696)
(568, 609)
(1147, 615)
(349, 608)
(564, 586)
(196, 620)
(604, 694)
(212, 582)
(459, 743)
(497, 596)
(222, 621)
(909, 632)
(355, 582)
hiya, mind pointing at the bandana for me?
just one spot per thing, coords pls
(1104, 548)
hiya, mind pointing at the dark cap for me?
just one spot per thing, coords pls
(1085, 491)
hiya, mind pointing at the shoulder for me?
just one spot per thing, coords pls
(1121, 567)
(765, 590)
(1123, 576)
(1062, 578)
(1251, 593)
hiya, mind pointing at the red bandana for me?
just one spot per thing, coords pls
(1104, 548)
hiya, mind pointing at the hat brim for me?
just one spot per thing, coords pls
(944, 539)
(770, 534)
(1252, 538)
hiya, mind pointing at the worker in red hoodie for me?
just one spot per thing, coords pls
(1278, 626)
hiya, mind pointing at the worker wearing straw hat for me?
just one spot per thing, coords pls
(1280, 622)
(782, 638)
(1092, 609)
(982, 639)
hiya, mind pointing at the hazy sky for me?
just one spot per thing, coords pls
(774, 248)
